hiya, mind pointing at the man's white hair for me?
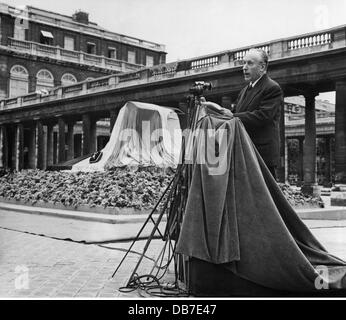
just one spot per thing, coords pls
(263, 54)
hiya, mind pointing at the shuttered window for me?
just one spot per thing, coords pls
(69, 43)
(150, 61)
(131, 57)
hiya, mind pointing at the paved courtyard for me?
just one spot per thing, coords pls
(35, 266)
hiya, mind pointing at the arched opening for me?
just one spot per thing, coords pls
(19, 81)
(44, 80)
(68, 79)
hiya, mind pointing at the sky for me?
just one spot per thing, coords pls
(191, 28)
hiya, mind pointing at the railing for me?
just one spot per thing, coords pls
(98, 83)
(290, 47)
(30, 97)
(72, 88)
(11, 101)
(113, 62)
(204, 62)
(18, 44)
(319, 121)
(92, 58)
(74, 55)
(69, 55)
(168, 68)
(129, 77)
(310, 41)
(239, 55)
(62, 21)
(46, 49)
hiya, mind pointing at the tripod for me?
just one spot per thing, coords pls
(172, 203)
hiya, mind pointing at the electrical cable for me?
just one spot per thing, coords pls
(79, 242)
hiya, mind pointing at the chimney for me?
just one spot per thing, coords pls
(81, 17)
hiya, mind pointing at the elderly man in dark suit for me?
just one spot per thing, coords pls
(258, 107)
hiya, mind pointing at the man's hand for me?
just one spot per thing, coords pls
(215, 108)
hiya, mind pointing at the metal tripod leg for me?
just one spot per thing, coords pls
(142, 228)
(155, 227)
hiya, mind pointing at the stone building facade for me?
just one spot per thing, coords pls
(40, 50)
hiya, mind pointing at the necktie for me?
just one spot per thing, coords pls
(248, 90)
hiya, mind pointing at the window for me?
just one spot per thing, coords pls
(91, 48)
(112, 53)
(44, 80)
(46, 37)
(131, 57)
(68, 79)
(19, 81)
(68, 43)
(150, 61)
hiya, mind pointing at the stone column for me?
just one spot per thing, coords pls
(55, 145)
(3, 147)
(286, 161)
(89, 134)
(338, 198)
(86, 134)
(2, 143)
(45, 147)
(70, 140)
(32, 147)
(281, 172)
(19, 147)
(40, 146)
(328, 161)
(12, 132)
(309, 155)
(93, 135)
(61, 140)
(300, 159)
(50, 144)
(77, 145)
(113, 118)
(340, 133)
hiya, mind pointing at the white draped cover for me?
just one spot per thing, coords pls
(144, 135)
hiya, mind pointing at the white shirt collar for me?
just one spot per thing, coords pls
(252, 84)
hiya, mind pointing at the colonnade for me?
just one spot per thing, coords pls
(40, 144)
(45, 145)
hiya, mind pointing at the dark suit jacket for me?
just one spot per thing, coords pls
(259, 110)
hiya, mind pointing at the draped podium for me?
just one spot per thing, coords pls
(241, 235)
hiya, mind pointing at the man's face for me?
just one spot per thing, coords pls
(253, 66)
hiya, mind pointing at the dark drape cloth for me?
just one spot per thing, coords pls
(241, 220)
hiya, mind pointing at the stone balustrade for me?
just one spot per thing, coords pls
(71, 56)
(279, 49)
(310, 41)
(205, 62)
(239, 55)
